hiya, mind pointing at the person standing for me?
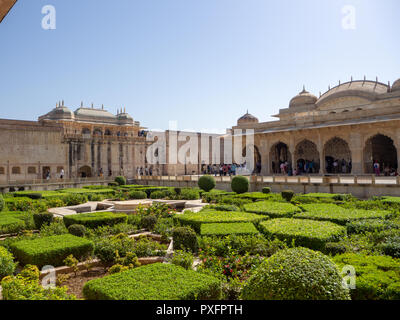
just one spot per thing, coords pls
(62, 174)
(376, 168)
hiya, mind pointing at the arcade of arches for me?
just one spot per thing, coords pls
(335, 158)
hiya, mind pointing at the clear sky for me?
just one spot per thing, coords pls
(200, 62)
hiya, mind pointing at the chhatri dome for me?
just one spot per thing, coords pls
(303, 98)
(396, 85)
(247, 118)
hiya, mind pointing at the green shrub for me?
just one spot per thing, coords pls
(137, 195)
(148, 222)
(158, 194)
(223, 229)
(189, 194)
(307, 233)
(206, 183)
(74, 199)
(50, 250)
(272, 209)
(7, 264)
(240, 184)
(337, 214)
(370, 225)
(391, 246)
(96, 219)
(2, 203)
(287, 195)
(26, 286)
(185, 238)
(377, 277)
(116, 268)
(266, 190)
(225, 207)
(10, 224)
(296, 274)
(157, 281)
(183, 259)
(178, 190)
(254, 196)
(56, 227)
(195, 219)
(241, 244)
(44, 218)
(78, 230)
(120, 180)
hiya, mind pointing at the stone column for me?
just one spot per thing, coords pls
(265, 161)
(357, 152)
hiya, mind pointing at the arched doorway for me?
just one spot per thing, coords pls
(381, 149)
(257, 158)
(306, 157)
(85, 172)
(279, 154)
(337, 156)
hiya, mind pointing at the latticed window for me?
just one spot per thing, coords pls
(16, 170)
(31, 170)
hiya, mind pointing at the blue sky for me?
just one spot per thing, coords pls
(202, 63)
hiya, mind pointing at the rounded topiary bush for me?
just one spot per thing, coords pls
(206, 183)
(78, 230)
(137, 195)
(240, 184)
(296, 274)
(120, 180)
(266, 190)
(185, 238)
(287, 195)
(44, 218)
(158, 195)
(2, 203)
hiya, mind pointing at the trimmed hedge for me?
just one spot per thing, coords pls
(223, 229)
(296, 274)
(10, 224)
(185, 238)
(7, 264)
(96, 219)
(157, 281)
(307, 233)
(377, 277)
(195, 219)
(50, 250)
(272, 209)
(337, 214)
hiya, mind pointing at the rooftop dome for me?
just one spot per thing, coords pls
(247, 118)
(303, 98)
(58, 113)
(396, 85)
(93, 113)
(366, 89)
(124, 118)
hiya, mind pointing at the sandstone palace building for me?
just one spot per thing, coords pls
(354, 125)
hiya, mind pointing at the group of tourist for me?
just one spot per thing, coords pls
(225, 169)
(338, 166)
(387, 171)
(146, 171)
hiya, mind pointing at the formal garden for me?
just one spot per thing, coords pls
(238, 245)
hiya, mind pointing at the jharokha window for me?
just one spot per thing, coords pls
(31, 170)
(16, 170)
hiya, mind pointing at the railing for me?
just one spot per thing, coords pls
(309, 179)
(56, 181)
